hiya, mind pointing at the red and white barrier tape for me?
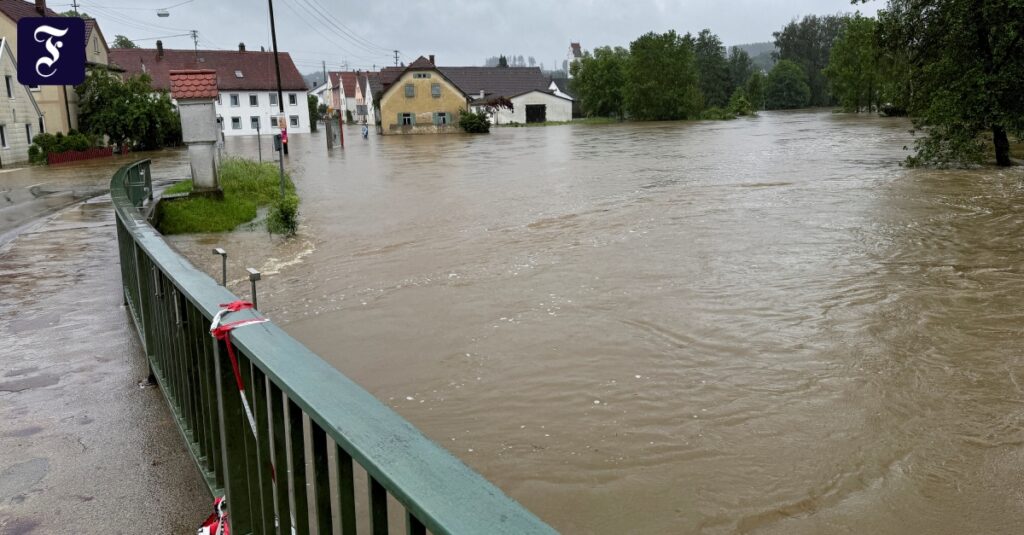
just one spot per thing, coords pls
(222, 331)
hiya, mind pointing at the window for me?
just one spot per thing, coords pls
(254, 122)
(292, 100)
(410, 91)
(435, 90)
(236, 123)
(273, 99)
(234, 99)
(254, 100)
(3, 136)
(10, 86)
(294, 120)
(28, 133)
(441, 118)
(238, 74)
(406, 119)
(95, 45)
(421, 75)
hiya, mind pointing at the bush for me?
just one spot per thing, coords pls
(43, 144)
(284, 216)
(739, 105)
(716, 114)
(475, 122)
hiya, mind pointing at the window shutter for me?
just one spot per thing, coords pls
(400, 119)
(412, 118)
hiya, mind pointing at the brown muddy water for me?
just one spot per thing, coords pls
(761, 325)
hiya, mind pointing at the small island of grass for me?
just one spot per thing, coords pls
(247, 186)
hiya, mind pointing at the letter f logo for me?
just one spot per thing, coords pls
(51, 51)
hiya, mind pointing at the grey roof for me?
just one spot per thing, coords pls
(496, 81)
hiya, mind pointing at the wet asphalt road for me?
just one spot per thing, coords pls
(83, 449)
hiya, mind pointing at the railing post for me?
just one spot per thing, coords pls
(229, 414)
(223, 265)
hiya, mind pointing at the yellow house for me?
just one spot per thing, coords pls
(419, 99)
(59, 104)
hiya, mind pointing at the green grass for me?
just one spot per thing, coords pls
(247, 185)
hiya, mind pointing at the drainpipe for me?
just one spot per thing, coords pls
(67, 105)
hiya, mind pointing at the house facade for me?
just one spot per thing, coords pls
(22, 118)
(419, 99)
(58, 104)
(342, 90)
(246, 82)
(425, 98)
(525, 87)
(574, 55)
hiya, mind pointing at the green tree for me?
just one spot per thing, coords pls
(756, 90)
(787, 86)
(712, 68)
(964, 61)
(599, 79)
(739, 104)
(71, 13)
(503, 62)
(121, 41)
(808, 43)
(662, 79)
(740, 68)
(853, 66)
(314, 111)
(129, 111)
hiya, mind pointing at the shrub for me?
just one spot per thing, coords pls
(475, 122)
(716, 114)
(284, 216)
(739, 105)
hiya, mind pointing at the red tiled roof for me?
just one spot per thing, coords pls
(18, 9)
(421, 63)
(347, 80)
(256, 68)
(194, 84)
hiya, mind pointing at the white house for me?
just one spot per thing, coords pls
(342, 91)
(22, 118)
(321, 93)
(246, 82)
(574, 55)
(526, 87)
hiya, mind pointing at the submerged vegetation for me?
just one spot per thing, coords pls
(247, 186)
(954, 67)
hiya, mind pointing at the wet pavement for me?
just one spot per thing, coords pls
(83, 449)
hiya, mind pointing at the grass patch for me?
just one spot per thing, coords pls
(247, 185)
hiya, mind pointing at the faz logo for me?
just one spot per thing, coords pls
(51, 51)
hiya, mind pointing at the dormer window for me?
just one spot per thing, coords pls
(238, 74)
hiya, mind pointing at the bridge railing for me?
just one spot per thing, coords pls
(301, 404)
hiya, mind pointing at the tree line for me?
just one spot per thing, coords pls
(956, 67)
(667, 76)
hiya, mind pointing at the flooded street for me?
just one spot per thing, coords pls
(760, 325)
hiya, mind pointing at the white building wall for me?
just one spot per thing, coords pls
(264, 110)
(557, 109)
(20, 117)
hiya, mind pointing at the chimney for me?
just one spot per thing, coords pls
(263, 49)
(41, 7)
(432, 60)
(159, 47)
(241, 47)
(481, 94)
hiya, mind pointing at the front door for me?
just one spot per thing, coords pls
(536, 113)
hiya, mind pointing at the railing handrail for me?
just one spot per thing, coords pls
(439, 489)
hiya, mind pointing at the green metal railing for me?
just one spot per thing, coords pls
(173, 303)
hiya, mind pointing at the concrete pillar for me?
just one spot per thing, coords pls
(200, 131)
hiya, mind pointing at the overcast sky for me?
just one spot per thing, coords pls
(459, 32)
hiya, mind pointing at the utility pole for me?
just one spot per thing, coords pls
(280, 92)
(74, 5)
(195, 42)
(396, 58)
(324, 65)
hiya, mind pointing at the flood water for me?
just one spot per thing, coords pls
(762, 325)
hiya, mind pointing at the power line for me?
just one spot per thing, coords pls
(366, 43)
